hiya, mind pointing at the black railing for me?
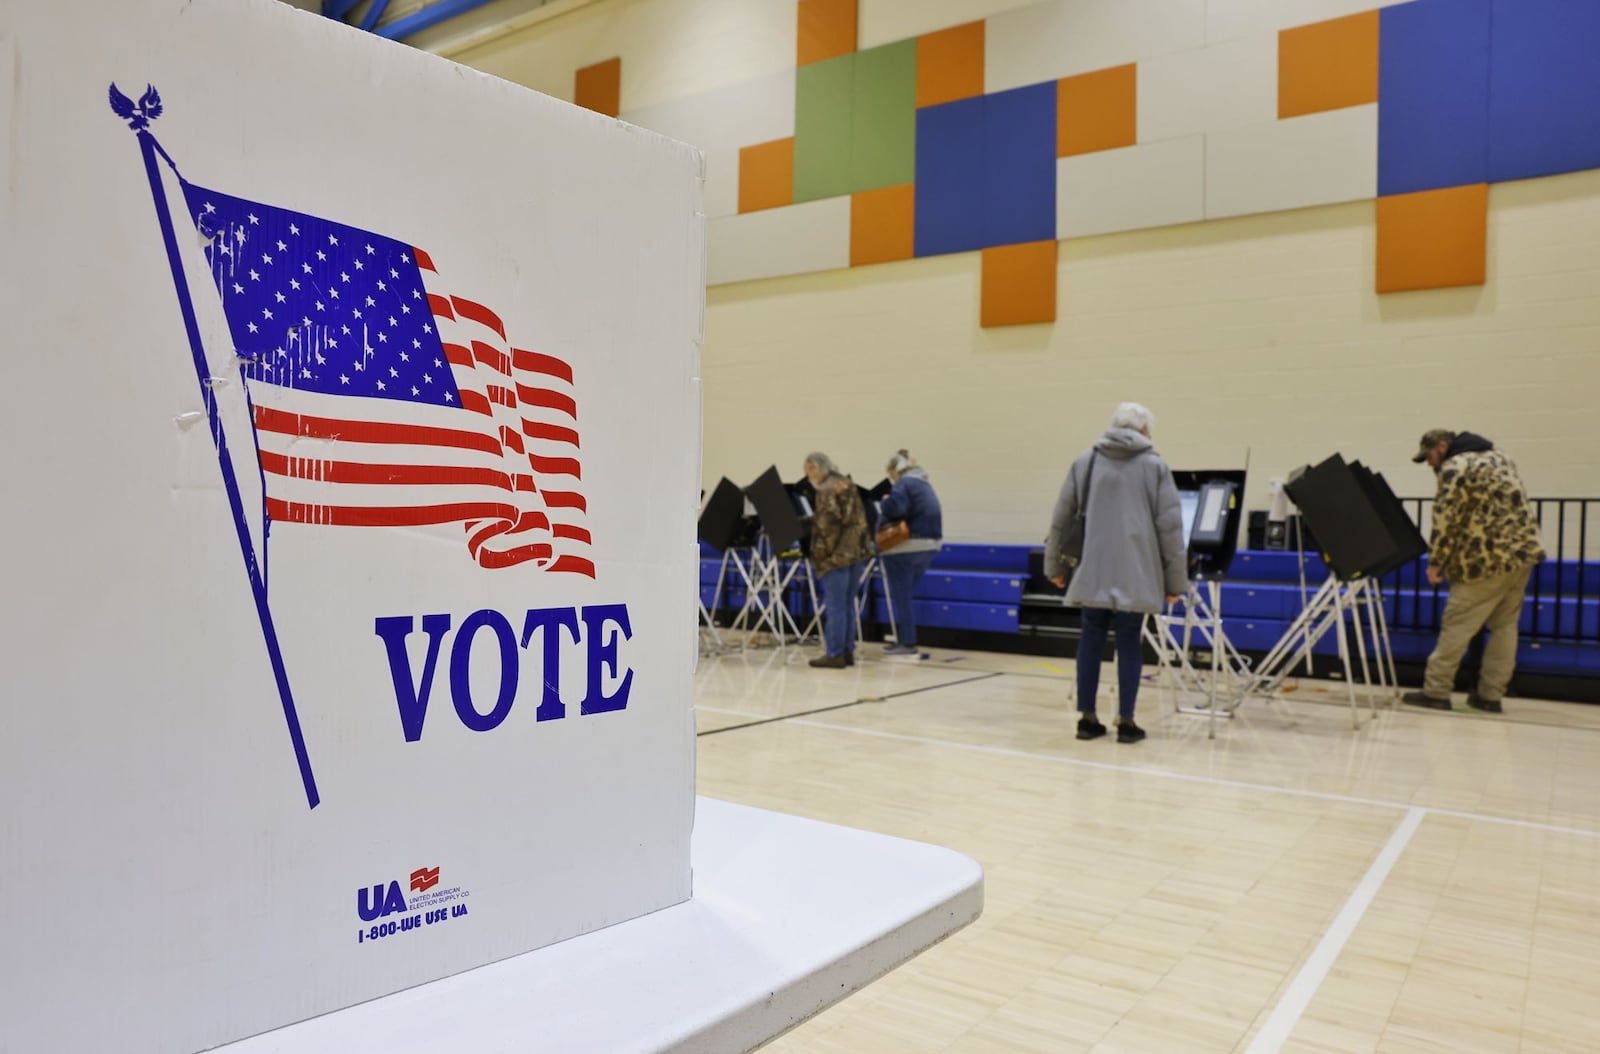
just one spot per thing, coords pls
(1562, 608)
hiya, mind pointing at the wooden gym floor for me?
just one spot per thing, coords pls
(1430, 883)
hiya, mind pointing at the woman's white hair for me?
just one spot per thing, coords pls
(1134, 416)
(901, 463)
(824, 463)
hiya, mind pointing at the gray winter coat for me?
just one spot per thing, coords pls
(1133, 549)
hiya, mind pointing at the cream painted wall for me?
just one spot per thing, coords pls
(886, 21)
(1257, 335)
(673, 48)
(669, 48)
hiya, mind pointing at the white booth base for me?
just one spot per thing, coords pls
(788, 916)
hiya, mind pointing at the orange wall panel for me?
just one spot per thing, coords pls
(827, 29)
(882, 225)
(766, 175)
(1019, 284)
(950, 65)
(599, 87)
(1097, 111)
(1433, 239)
(1328, 65)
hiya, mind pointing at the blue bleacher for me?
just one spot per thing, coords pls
(966, 556)
(1262, 597)
(1255, 565)
(1575, 577)
(979, 588)
(956, 614)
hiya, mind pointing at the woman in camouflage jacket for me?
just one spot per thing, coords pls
(840, 543)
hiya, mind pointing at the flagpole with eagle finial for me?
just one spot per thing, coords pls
(139, 115)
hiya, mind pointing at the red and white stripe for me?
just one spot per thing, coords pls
(533, 404)
(504, 464)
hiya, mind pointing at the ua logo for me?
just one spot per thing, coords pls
(378, 901)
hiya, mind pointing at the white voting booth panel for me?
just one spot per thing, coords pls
(351, 428)
(789, 915)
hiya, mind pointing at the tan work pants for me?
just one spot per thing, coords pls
(1494, 602)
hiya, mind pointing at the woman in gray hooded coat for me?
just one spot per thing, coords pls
(1133, 557)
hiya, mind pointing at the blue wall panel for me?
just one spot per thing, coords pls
(1433, 95)
(1544, 110)
(950, 178)
(1019, 159)
(986, 171)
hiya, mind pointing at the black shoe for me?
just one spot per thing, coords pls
(1424, 699)
(850, 657)
(831, 662)
(1128, 732)
(1089, 727)
(1488, 706)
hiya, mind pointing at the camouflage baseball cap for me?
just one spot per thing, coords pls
(1430, 439)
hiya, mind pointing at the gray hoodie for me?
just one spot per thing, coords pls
(1133, 549)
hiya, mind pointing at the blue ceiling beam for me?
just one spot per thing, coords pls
(427, 18)
(374, 12)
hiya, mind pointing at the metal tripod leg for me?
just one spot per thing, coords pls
(1296, 643)
(740, 622)
(1386, 650)
(1358, 625)
(876, 566)
(1201, 622)
(707, 623)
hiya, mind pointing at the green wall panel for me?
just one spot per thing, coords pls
(823, 101)
(883, 126)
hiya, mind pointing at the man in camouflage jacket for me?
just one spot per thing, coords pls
(1485, 545)
(840, 542)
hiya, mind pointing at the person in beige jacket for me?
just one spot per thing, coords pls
(1485, 545)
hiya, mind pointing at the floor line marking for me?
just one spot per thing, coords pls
(780, 717)
(1281, 1022)
(1214, 781)
(764, 719)
(934, 687)
(1510, 822)
(736, 713)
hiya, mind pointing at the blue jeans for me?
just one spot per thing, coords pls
(1092, 650)
(839, 609)
(903, 571)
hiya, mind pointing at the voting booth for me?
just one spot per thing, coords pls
(352, 434)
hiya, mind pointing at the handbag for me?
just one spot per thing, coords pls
(1072, 542)
(892, 534)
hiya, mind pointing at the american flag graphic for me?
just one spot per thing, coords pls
(380, 398)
